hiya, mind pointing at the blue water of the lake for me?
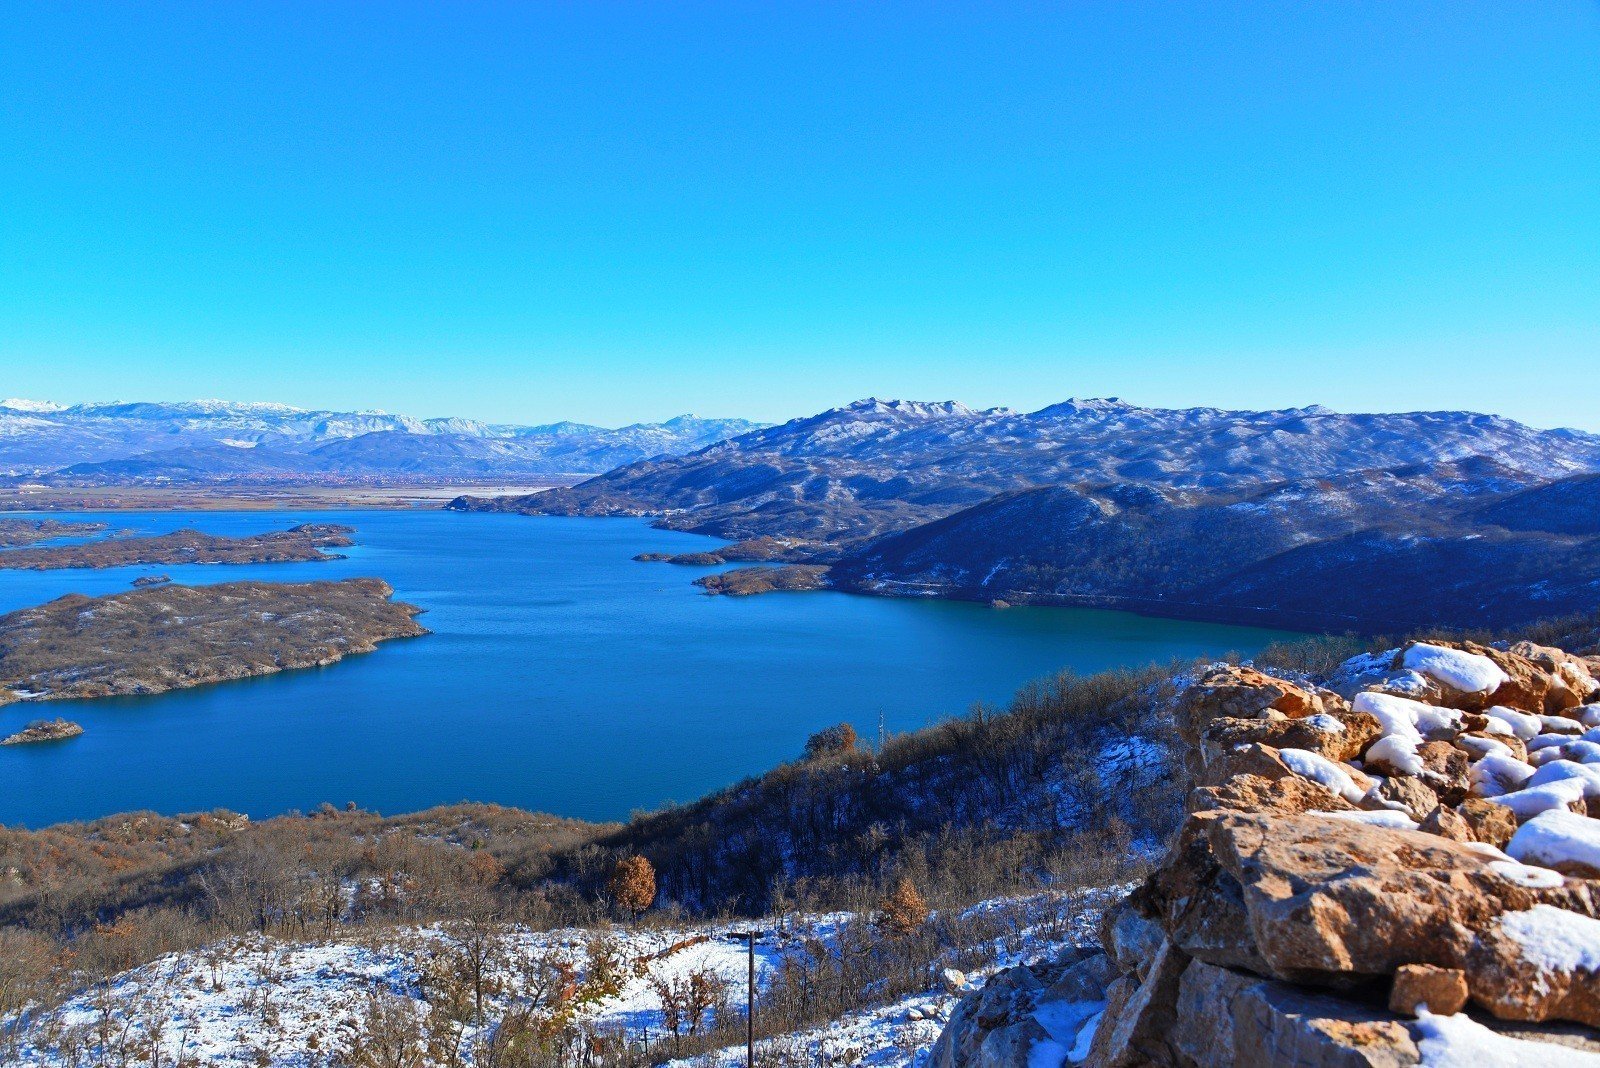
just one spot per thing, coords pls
(560, 676)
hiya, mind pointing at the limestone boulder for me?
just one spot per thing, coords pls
(1231, 1019)
(1255, 793)
(1414, 796)
(1425, 987)
(1229, 691)
(992, 1024)
(1541, 963)
(1139, 1020)
(1198, 904)
(1331, 902)
(1572, 682)
(1342, 736)
(1490, 823)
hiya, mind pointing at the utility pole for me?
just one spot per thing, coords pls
(750, 937)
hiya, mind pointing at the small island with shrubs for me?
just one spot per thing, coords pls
(304, 542)
(44, 730)
(160, 638)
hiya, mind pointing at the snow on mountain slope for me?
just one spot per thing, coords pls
(118, 443)
(876, 466)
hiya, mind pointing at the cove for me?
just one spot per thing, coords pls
(561, 676)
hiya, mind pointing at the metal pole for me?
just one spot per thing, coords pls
(750, 1008)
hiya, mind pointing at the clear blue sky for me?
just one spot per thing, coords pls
(613, 212)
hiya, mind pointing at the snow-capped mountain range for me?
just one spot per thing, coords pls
(1293, 516)
(876, 466)
(212, 440)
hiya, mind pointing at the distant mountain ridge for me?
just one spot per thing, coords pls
(1301, 517)
(876, 466)
(195, 442)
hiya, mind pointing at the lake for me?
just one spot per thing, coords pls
(560, 676)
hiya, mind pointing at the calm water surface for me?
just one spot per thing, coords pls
(560, 676)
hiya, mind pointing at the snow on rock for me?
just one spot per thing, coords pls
(1556, 838)
(1555, 940)
(1560, 725)
(1530, 801)
(1524, 725)
(1398, 751)
(1460, 670)
(1588, 774)
(1496, 774)
(1582, 752)
(1461, 1042)
(1397, 716)
(1064, 1022)
(1479, 748)
(1325, 723)
(1320, 769)
(1528, 875)
(1383, 817)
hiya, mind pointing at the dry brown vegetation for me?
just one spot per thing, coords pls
(82, 901)
(632, 885)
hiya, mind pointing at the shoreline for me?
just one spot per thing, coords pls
(400, 496)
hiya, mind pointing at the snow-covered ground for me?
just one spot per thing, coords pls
(268, 1002)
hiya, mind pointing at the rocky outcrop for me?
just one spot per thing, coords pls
(1021, 1010)
(1363, 859)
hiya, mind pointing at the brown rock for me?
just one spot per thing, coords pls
(1439, 990)
(1254, 793)
(1571, 680)
(1528, 686)
(1330, 900)
(1417, 798)
(1490, 823)
(992, 1024)
(1251, 758)
(1446, 769)
(1233, 1020)
(1278, 732)
(1476, 749)
(1232, 692)
(1515, 983)
(1130, 938)
(1200, 906)
(1448, 823)
(1138, 1024)
(1443, 759)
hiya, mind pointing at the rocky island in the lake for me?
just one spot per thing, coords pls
(44, 730)
(14, 532)
(152, 580)
(752, 580)
(168, 637)
(304, 542)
